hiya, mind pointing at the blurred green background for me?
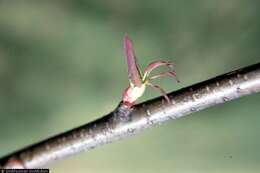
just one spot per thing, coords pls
(62, 65)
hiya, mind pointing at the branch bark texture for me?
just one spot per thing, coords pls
(124, 122)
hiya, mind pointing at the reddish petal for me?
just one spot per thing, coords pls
(133, 70)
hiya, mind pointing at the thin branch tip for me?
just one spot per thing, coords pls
(126, 121)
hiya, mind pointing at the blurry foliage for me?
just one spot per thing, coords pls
(62, 65)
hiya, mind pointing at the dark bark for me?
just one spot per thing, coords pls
(124, 122)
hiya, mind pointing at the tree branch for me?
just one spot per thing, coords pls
(124, 122)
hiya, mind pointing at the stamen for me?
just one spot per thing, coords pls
(163, 93)
(167, 73)
(155, 64)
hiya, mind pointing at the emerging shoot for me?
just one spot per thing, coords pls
(139, 81)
